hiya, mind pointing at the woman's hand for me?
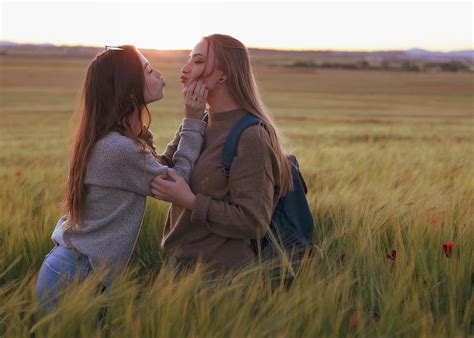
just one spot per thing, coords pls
(195, 97)
(177, 192)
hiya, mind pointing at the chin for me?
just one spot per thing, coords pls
(160, 96)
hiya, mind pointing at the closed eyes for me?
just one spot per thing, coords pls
(197, 59)
(148, 68)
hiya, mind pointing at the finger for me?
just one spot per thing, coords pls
(190, 90)
(161, 197)
(174, 175)
(157, 194)
(202, 89)
(198, 88)
(203, 98)
(158, 177)
(161, 184)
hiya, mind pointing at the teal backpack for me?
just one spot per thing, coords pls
(292, 223)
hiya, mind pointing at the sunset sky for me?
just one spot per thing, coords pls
(351, 25)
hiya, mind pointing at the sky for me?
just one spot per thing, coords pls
(349, 25)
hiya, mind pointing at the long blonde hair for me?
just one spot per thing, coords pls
(234, 60)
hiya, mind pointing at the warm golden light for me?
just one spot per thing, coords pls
(349, 26)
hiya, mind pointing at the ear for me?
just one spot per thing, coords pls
(222, 78)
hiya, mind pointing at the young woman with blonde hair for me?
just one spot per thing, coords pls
(228, 211)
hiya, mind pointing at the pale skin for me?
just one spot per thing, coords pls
(154, 91)
(194, 103)
(201, 66)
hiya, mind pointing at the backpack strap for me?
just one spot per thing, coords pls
(230, 146)
(205, 117)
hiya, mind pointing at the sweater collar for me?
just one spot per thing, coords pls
(226, 115)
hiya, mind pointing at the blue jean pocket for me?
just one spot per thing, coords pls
(66, 269)
(55, 274)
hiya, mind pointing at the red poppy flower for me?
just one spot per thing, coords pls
(366, 137)
(18, 173)
(448, 248)
(392, 255)
(434, 219)
(354, 320)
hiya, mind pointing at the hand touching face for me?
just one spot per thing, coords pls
(195, 97)
(201, 65)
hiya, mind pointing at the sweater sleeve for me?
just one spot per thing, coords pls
(191, 138)
(252, 191)
(166, 158)
(120, 162)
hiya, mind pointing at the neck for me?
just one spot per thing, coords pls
(220, 100)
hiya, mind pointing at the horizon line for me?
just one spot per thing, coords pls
(249, 47)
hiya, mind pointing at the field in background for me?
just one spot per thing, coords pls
(388, 158)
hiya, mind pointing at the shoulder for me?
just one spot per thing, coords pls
(254, 153)
(114, 142)
(117, 148)
(256, 136)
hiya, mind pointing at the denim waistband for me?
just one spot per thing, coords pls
(70, 255)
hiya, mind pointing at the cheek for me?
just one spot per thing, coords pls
(153, 85)
(210, 84)
(211, 81)
(196, 72)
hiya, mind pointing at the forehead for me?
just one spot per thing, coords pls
(200, 48)
(143, 59)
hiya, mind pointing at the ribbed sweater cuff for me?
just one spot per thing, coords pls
(199, 212)
(193, 125)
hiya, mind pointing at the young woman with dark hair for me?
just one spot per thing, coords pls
(113, 162)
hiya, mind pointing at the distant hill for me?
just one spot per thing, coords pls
(463, 54)
(8, 43)
(411, 54)
(412, 60)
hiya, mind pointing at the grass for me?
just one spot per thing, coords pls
(388, 159)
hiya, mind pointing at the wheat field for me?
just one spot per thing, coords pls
(388, 160)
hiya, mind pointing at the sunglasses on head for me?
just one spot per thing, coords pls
(112, 48)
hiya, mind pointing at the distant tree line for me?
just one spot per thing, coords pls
(405, 66)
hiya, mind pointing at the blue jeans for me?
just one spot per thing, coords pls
(60, 268)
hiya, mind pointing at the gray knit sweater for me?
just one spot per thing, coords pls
(117, 182)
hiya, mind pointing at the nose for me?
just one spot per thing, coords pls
(185, 68)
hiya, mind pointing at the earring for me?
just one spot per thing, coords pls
(221, 79)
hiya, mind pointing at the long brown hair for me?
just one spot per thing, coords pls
(234, 60)
(112, 93)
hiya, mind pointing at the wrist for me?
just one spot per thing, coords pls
(191, 202)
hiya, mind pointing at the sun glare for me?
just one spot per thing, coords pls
(338, 26)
